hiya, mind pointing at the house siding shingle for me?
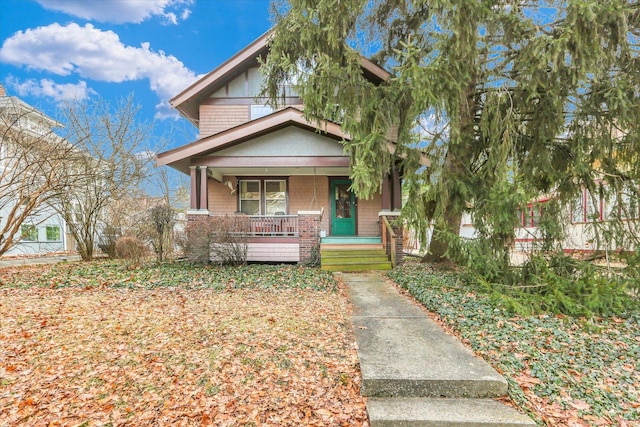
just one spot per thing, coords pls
(221, 201)
(217, 118)
(368, 215)
(301, 191)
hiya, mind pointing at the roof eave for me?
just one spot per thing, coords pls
(230, 66)
(374, 69)
(245, 131)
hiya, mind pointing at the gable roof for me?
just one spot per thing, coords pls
(15, 105)
(189, 100)
(179, 158)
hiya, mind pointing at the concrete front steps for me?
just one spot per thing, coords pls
(413, 373)
(352, 254)
(422, 412)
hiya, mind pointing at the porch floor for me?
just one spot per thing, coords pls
(350, 240)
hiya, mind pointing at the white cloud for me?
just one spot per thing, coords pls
(164, 110)
(121, 11)
(96, 55)
(60, 93)
(171, 18)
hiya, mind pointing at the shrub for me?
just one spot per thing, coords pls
(131, 249)
(314, 259)
(108, 241)
(221, 240)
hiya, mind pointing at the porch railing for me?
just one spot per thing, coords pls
(389, 239)
(273, 225)
(260, 225)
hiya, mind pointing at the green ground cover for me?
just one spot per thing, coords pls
(116, 274)
(562, 370)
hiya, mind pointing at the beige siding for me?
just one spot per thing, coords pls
(276, 252)
(301, 196)
(368, 216)
(217, 118)
(221, 201)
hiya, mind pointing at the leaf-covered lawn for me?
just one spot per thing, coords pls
(97, 344)
(564, 371)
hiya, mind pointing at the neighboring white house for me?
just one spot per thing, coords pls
(44, 231)
(585, 212)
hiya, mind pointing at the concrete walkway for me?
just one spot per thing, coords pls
(413, 373)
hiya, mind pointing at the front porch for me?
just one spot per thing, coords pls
(295, 238)
(268, 238)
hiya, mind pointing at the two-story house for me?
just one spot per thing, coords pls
(30, 224)
(288, 177)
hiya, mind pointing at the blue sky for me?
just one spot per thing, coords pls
(57, 50)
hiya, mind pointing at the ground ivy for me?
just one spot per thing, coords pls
(581, 368)
(166, 275)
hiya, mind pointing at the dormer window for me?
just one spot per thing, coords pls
(260, 110)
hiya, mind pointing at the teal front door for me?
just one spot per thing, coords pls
(343, 208)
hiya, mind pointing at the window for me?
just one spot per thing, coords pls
(593, 206)
(53, 233)
(250, 197)
(275, 197)
(586, 208)
(577, 209)
(529, 217)
(263, 197)
(535, 214)
(258, 111)
(629, 203)
(28, 233)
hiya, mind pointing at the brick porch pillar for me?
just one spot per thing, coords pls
(398, 231)
(309, 232)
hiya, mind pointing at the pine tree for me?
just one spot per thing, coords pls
(510, 100)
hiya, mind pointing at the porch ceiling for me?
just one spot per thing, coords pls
(218, 173)
(220, 166)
